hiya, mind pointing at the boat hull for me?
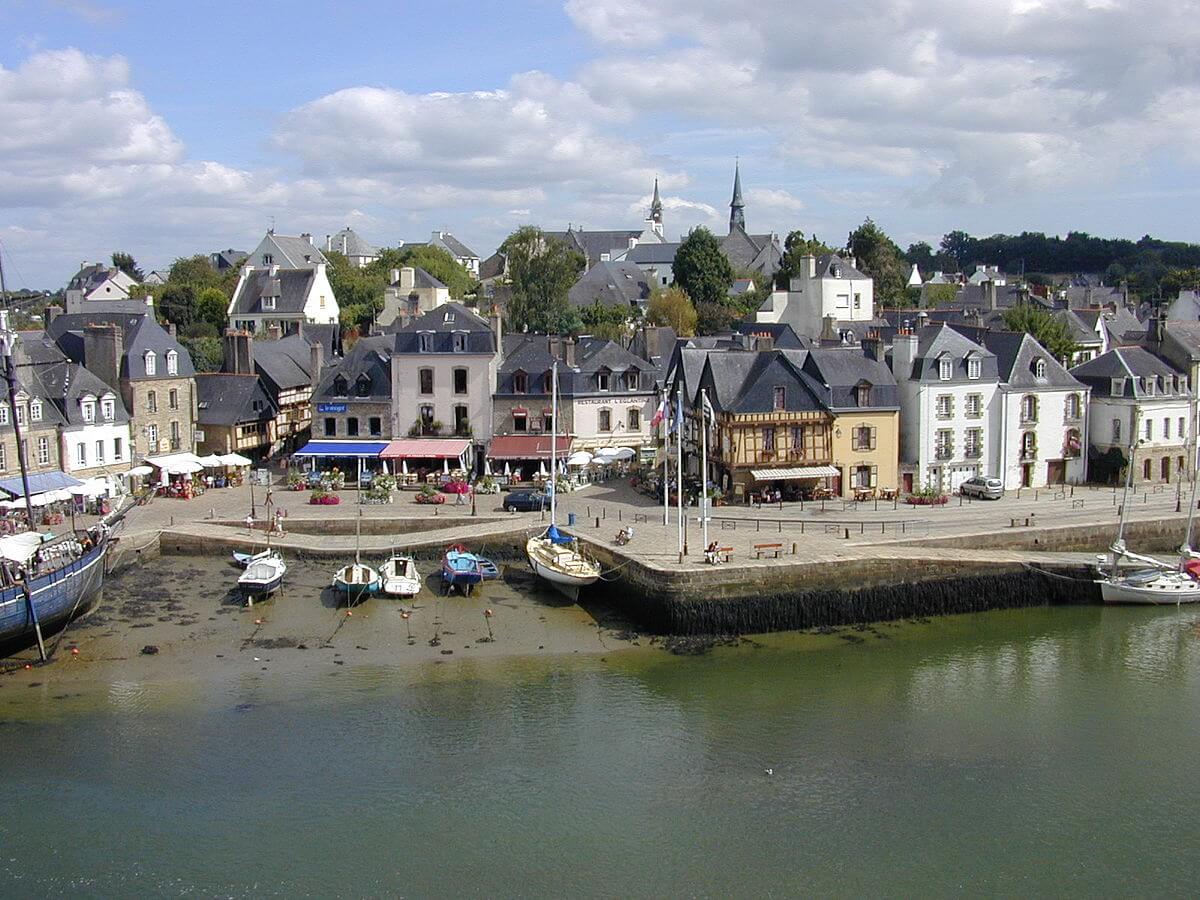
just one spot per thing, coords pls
(355, 589)
(73, 589)
(1171, 593)
(261, 588)
(400, 578)
(565, 582)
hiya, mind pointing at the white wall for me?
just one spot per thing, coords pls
(586, 421)
(959, 466)
(809, 300)
(1102, 411)
(407, 399)
(1051, 430)
(88, 435)
(316, 312)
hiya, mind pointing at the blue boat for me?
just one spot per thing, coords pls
(489, 569)
(461, 568)
(64, 576)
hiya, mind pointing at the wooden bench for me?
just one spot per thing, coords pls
(760, 549)
(723, 553)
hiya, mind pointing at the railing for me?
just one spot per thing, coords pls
(973, 452)
(1028, 454)
(943, 453)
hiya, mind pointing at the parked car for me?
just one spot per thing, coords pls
(982, 487)
(526, 501)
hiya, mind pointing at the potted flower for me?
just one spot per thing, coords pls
(428, 494)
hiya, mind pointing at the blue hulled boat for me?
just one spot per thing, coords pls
(461, 568)
(64, 576)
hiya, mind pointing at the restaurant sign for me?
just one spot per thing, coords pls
(331, 407)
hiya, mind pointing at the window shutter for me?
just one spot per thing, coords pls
(874, 476)
(871, 445)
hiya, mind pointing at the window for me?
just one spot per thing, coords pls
(547, 422)
(1116, 438)
(362, 385)
(1117, 388)
(3, 459)
(548, 383)
(1029, 445)
(520, 383)
(172, 362)
(462, 421)
(605, 419)
(862, 394)
(3, 413)
(375, 426)
(943, 443)
(460, 381)
(862, 438)
(520, 420)
(631, 380)
(973, 446)
(1166, 429)
(799, 435)
(268, 259)
(341, 387)
(321, 302)
(175, 441)
(460, 342)
(43, 446)
(108, 409)
(426, 341)
(769, 438)
(352, 426)
(974, 406)
(974, 368)
(22, 414)
(81, 454)
(330, 427)
(35, 411)
(1149, 429)
(1073, 406)
(602, 380)
(945, 369)
(863, 476)
(945, 406)
(858, 301)
(1073, 444)
(152, 438)
(1146, 470)
(635, 420)
(152, 401)
(118, 449)
(425, 412)
(268, 302)
(1029, 408)
(151, 363)
(99, 453)
(1182, 428)
(87, 408)
(173, 399)
(780, 401)
(425, 381)
(1039, 368)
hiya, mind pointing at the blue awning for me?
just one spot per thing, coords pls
(39, 484)
(367, 449)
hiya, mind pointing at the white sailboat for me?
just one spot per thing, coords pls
(400, 578)
(357, 580)
(1157, 583)
(553, 555)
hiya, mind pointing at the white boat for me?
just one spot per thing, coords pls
(553, 555)
(263, 575)
(244, 559)
(400, 577)
(1156, 583)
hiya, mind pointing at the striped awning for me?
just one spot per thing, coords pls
(795, 473)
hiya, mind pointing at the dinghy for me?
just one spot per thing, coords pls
(263, 575)
(461, 568)
(399, 576)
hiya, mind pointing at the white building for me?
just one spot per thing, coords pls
(104, 289)
(411, 292)
(948, 385)
(285, 297)
(828, 286)
(1137, 397)
(357, 251)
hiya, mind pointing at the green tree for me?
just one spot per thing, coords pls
(1048, 331)
(541, 270)
(795, 247)
(211, 304)
(434, 260)
(714, 318)
(940, 294)
(177, 304)
(879, 257)
(958, 245)
(194, 270)
(671, 307)
(208, 355)
(125, 262)
(1177, 280)
(701, 269)
(359, 292)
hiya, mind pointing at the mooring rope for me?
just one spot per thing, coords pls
(1033, 568)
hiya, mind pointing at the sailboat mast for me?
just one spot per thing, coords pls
(1133, 442)
(553, 441)
(1187, 542)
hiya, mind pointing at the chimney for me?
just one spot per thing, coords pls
(171, 329)
(408, 277)
(307, 237)
(1155, 330)
(829, 328)
(103, 346)
(554, 345)
(316, 359)
(871, 345)
(239, 352)
(329, 242)
(395, 276)
(747, 341)
(497, 325)
(53, 311)
(853, 262)
(570, 352)
(989, 293)
(274, 332)
(904, 352)
(809, 264)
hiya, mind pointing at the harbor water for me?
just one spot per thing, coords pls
(1032, 752)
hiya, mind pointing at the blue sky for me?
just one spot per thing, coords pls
(167, 128)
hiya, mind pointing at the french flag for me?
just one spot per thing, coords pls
(660, 413)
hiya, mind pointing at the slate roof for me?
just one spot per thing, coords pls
(1016, 353)
(285, 362)
(442, 323)
(756, 252)
(617, 284)
(228, 259)
(349, 243)
(1134, 364)
(842, 370)
(289, 287)
(530, 353)
(226, 399)
(783, 336)
(645, 254)
(1185, 307)
(141, 333)
(1081, 325)
(494, 266)
(369, 362)
(975, 295)
(92, 276)
(421, 279)
(294, 251)
(934, 342)
(594, 244)
(834, 265)
(1089, 295)
(453, 245)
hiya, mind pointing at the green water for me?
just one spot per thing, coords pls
(1034, 753)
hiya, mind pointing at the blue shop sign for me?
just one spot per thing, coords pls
(331, 407)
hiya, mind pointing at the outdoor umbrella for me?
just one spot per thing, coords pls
(212, 461)
(623, 453)
(235, 459)
(579, 458)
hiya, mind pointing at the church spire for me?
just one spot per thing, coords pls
(656, 212)
(737, 207)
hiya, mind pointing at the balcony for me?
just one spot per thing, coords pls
(1028, 454)
(973, 452)
(943, 453)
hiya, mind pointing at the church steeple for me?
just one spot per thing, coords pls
(737, 207)
(656, 212)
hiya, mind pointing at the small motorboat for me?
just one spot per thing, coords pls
(244, 559)
(400, 577)
(461, 568)
(263, 575)
(489, 569)
(356, 581)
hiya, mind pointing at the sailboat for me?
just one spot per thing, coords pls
(358, 579)
(400, 577)
(553, 555)
(1158, 583)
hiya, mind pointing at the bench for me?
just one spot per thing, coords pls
(723, 552)
(760, 549)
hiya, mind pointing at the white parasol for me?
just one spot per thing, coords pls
(235, 459)
(579, 458)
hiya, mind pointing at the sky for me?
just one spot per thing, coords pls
(167, 128)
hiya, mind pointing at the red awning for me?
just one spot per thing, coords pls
(417, 448)
(526, 446)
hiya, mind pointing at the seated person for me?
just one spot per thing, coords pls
(710, 553)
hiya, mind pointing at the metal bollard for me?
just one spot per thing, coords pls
(597, 521)
(847, 537)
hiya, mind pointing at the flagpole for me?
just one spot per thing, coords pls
(704, 464)
(666, 430)
(679, 464)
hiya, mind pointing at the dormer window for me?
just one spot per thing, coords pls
(426, 342)
(340, 386)
(520, 382)
(974, 368)
(862, 393)
(631, 380)
(548, 383)
(1117, 388)
(35, 411)
(108, 409)
(88, 409)
(268, 302)
(1039, 368)
(1149, 385)
(780, 399)
(460, 341)
(172, 362)
(363, 386)
(268, 259)
(151, 361)
(3, 413)
(945, 369)
(602, 380)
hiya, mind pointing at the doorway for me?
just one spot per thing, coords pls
(1165, 467)
(1027, 475)
(1056, 471)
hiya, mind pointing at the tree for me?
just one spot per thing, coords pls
(940, 294)
(177, 304)
(125, 262)
(714, 318)
(194, 270)
(958, 246)
(1048, 331)
(608, 322)
(880, 257)
(358, 289)
(211, 304)
(434, 260)
(701, 269)
(795, 247)
(672, 308)
(208, 355)
(541, 270)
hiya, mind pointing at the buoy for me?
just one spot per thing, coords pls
(404, 615)
(28, 666)
(349, 612)
(488, 613)
(74, 651)
(258, 621)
